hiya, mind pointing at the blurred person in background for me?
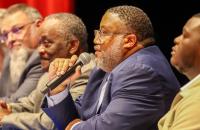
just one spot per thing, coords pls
(2, 44)
(21, 67)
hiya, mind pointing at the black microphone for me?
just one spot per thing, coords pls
(83, 59)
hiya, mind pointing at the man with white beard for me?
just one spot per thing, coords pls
(2, 45)
(18, 58)
(21, 67)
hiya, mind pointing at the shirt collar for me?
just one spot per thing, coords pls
(190, 86)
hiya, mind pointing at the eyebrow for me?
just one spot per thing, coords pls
(46, 38)
(185, 30)
(105, 28)
(198, 27)
(17, 25)
(7, 30)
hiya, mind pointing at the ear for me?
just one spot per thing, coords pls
(74, 46)
(38, 22)
(130, 41)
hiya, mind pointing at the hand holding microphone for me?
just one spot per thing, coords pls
(64, 70)
(58, 68)
(4, 110)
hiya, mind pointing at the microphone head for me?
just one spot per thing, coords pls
(84, 58)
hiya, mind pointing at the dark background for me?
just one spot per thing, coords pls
(168, 18)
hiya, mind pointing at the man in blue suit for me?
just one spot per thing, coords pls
(132, 85)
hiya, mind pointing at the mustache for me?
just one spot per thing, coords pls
(44, 58)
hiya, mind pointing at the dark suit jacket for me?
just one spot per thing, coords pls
(139, 91)
(27, 82)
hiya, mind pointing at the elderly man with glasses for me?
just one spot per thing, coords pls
(21, 67)
(2, 45)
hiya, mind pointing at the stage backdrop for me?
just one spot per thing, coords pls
(45, 7)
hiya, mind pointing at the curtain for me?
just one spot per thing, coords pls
(45, 7)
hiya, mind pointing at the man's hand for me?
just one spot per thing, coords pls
(58, 67)
(4, 109)
(70, 125)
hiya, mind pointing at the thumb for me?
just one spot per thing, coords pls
(76, 74)
(3, 104)
(78, 71)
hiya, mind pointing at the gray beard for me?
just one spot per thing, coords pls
(18, 61)
(110, 58)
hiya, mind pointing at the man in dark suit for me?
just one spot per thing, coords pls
(21, 67)
(132, 85)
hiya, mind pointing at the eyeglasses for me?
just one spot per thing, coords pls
(1, 39)
(14, 30)
(101, 33)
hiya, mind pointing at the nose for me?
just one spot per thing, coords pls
(10, 40)
(41, 50)
(97, 39)
(177, 40)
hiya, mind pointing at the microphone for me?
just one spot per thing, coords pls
(83, 59)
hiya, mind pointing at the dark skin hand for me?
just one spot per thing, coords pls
(58, 67)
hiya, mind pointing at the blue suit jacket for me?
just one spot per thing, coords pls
(139, 91)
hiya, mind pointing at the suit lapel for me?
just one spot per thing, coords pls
(33, 60)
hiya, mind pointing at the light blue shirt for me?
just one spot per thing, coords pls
(58, 98)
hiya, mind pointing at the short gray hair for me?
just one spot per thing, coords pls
(71, 25)
(2, 12)
(136, 19)
(31, 12)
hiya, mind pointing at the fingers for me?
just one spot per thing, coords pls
(76, 75)
(60, 65)
(78, 70)
(65, 64)
(57, 65)
(4, 110)
(65, 83)
(52, 70)
(3, 104)
(57, 90)
(73, 60)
